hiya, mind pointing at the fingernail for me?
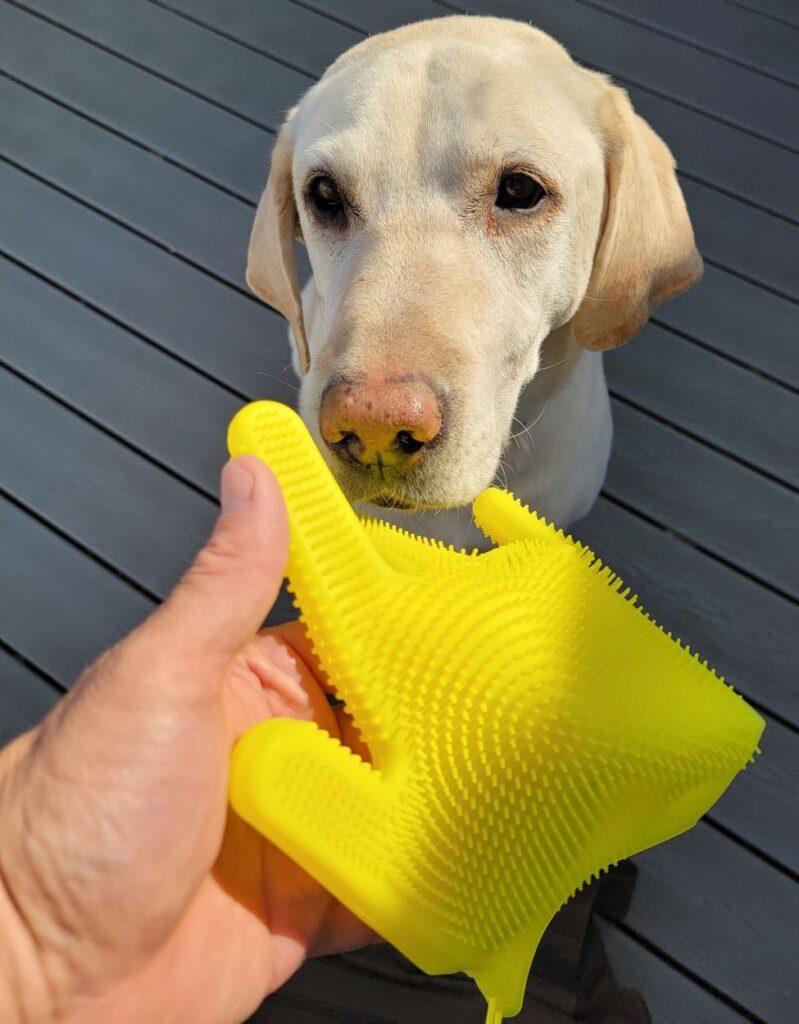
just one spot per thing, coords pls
(236, 486)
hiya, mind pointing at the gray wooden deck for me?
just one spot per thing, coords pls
(135, 137)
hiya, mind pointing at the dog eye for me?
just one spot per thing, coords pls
(325, 195)
(518, 191)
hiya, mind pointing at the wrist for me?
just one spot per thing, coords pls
(24, 994)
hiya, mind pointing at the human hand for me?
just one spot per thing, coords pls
(129, 891)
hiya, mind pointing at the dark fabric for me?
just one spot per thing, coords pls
(571, 981)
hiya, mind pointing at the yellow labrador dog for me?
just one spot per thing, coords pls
(482, 218)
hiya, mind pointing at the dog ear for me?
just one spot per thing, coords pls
(271, 267)
(646, 252)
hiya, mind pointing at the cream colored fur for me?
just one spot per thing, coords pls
(505, 310)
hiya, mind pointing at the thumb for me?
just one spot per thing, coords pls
(223, 599)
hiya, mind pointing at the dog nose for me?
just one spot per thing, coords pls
(385, 422)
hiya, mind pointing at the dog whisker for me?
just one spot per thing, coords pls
(280, 380)
(559, 363)
(527, 428)
(320, 120)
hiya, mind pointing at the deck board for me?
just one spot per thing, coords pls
(720, 27)
(181, 51)
(714, 399)
(24, 695)
(674, 998)
(699, 893)
(129, 388)
(750, 242)
(59, 608)
(99, 493)
(697, 597)
(728, 509)
(158, 115)
(763, 806)
(135, 139)
(221, 331)
(740, 320)
(780, 10)
(126, 182)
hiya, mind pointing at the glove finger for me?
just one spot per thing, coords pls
(504, 519)
(319, 803)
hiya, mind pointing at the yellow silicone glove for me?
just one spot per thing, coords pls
(528, 724)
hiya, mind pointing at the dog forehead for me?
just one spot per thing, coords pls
(443, 101)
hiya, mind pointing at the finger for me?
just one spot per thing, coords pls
(270, 680)
(341, 931)
(295, 637)
(224, 597)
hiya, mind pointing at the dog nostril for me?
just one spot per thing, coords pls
(349, 444)
(407, 443)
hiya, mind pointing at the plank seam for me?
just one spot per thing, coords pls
(686, 41)
(234, 39)
(685, 539)
(751, 280)
(763, 14)
(746, 200)
(125, 59)
(615, 926)
(735, 360)
(705, 442)
(213, 183)
(325, 14)
(106, 431)
(76, 297)
(651, 947)
(731, 834)
(79, 545)
(769, 713)
(45, 677)
(126, 226)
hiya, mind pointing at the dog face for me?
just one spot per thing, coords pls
(463, 189)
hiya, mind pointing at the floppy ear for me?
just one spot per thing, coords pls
(646, 252)
(271, 268)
